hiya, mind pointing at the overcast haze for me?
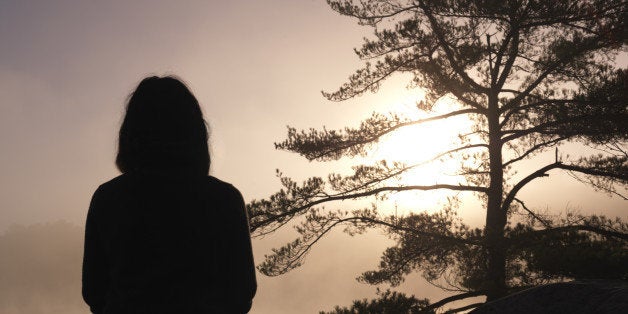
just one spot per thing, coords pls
(66, 68)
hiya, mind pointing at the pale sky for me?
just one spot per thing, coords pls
(67, 66)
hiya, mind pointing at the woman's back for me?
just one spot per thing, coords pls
(164, 237)
(170, 244)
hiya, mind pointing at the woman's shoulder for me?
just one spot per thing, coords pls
(126, 182)
(229, 197)
(115, 183)
(222, 186)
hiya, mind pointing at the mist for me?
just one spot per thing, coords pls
(65, 72)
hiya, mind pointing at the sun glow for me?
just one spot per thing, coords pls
(419, 145)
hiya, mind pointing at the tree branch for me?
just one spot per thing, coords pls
(600, 231)
(593, 172)
(534, 148)
(557, 165)
(464, 241)
(352, 11)
(499, 55)
(542, 221)
(301, 248)
(537, 104)
(448, 52)
(340, 197)
(583, 47)
(332, 149)
(367, 86)
(541, 128)
(453, 298)
(512, 56)
(464, 308)
(458, 90)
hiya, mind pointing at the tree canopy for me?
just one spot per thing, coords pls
(531, 76)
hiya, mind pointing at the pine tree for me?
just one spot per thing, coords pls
(530, 75)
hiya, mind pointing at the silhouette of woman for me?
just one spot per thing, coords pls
(164, 237)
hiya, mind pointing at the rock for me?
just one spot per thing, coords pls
(594, 296)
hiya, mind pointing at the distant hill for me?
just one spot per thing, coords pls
(40, 269)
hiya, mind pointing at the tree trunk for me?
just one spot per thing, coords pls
(495, 218)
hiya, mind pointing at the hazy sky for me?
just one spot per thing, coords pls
(66, 68)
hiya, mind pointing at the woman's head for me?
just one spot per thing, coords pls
(163, 130)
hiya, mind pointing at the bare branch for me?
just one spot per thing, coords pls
(464, 308)
(535, 148)
(599, 187)
(545, 223)
(454, 298)
(557, 165)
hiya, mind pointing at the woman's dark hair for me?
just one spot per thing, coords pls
(163, 130)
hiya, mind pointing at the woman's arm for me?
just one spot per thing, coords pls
(95, 278)
(243, 283)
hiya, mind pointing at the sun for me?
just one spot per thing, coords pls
(418, 145)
